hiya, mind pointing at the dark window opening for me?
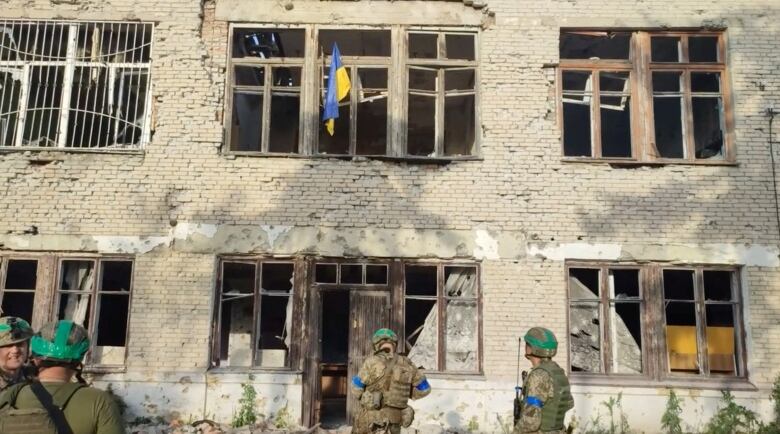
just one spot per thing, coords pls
(423, 45)
(335, 326)
(21, 274)
(255, 326)
(595, 45)
(19, 304)
(420, 280)
(325, 273)
(665, 49)
(703, 49)
(268, 43)
(364, 43)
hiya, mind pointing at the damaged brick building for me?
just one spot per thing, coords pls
(601, 168)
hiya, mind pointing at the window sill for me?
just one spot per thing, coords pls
(252, 370)
(660, 162)
(98, 369)
(436, 375)
(733, 384)
(112, 151)
(408, 159)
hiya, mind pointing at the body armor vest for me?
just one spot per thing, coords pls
(554, 410)
(398, 382)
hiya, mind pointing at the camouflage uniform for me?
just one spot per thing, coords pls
(7, 380)
(546, 389)
(539, 385)
(13, 331)
(383, 386)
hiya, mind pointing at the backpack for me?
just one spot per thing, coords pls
(47, 420)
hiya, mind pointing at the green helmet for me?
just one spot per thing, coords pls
(542, 342)
(383, 335)
(60, 341)
(14, 330)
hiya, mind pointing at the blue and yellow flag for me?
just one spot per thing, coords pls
(338, 89)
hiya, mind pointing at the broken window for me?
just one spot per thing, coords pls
(452, 342)
(431, 92)
(266, 80)
(693, 313)
(596, 113)
(99, 301)
(441, 110)
(255, 314)
(361, 128)
(605, 320)
(74, 84)
(604, 87)
(17, 296)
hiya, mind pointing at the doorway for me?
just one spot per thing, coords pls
(349, 318)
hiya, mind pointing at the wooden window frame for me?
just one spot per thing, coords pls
(605, 312)
(46, 299)
(311, 91)
(440, 94)
(95, 293)
(654, 350)
(266, 90)
(296, 296)
(641, 67)
(441, 307)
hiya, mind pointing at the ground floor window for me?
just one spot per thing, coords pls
(264, 304)
(655, 321)
(91, 291)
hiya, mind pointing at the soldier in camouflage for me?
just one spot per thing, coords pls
(546, 389)
(384, 385)
(15, 334)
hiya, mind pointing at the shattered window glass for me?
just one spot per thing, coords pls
(266, 114)
(458, 297)
(76, 283)
(595, 45)
(585, 320)
(239, 343)
(625, 325)
(237, 313)
(441, 109)
(460, 288)
(113, 311)
(75, 84)
(84, 295)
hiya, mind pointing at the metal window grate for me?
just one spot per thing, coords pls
(74, 84)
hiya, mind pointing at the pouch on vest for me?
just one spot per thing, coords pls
(400, 386)
(35, 420)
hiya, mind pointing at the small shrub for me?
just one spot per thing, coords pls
(732, 418)
(614, 406)
(670, 420)
(774, 426)
(246, 412)
(473, 425)
(283, 419)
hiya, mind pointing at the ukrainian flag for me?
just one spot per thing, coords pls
(338, 89)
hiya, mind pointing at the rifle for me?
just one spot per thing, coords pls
(518, 404)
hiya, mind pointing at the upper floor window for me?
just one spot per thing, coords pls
(74, 84)
(658, 322)
(413, 92)
(645, 96)
(91, 291)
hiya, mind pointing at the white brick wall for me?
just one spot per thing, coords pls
(520, 187)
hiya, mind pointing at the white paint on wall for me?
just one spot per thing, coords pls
(486, 247)
(274, 232)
